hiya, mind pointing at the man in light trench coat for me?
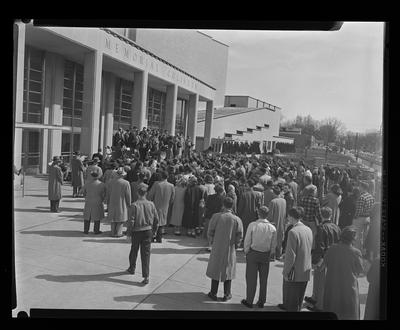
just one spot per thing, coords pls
(162, 193)
(95, 194)
(225, 232)
(118, 202)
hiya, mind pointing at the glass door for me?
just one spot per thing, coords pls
(31, 150)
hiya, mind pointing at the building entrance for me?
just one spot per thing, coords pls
(31, 142)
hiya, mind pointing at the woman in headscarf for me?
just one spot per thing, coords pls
(343, 264)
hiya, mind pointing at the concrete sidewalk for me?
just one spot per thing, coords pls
(59, 267)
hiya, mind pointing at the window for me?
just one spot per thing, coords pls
(30, 148)
(69, 143)
(156, 109)
(73, 94)
(123, 104)
(33, 86)
(180, 117)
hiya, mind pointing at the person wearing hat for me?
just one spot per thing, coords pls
(277, 216)
(343, 264)
(118, 202)
(77, 170)
(312, 209)
(55, 183)
(332, 200)
(142, 226)
(259, 243)
(94, 168)
(94, 192)
(225, 232)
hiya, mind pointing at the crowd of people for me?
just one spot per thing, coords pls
(321, 220)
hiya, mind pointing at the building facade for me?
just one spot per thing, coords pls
(249, 120)
(74, 87)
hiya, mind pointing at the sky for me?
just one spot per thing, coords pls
(321, 73)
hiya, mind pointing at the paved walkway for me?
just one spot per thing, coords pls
(58, 267)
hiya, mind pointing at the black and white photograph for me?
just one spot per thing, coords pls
(207, 170)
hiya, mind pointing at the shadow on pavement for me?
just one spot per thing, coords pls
(186, 241)
(174, 251)
(46, 210)
(110, 240)
(189, 301)
(64, 209)
(240, 257)
(57, 233)
(107, 277)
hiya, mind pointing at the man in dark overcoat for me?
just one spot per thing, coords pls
(55, 183)
(77, 170)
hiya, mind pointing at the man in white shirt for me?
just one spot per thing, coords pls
(259, 241)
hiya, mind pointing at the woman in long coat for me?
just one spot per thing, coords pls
(191, 212)
(77, 170)
(225, 232)
(95, 194)
(343, 264)
(179, 205)
(55, 183)
(118, 201)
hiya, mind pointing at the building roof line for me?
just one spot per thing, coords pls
(234, 114)
(251, 97)
(212, 38)
(134, 44)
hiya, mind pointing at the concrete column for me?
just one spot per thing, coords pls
(109, 91)
(44, 151)
(102, 112)
(93, 64)
(170, 108)
(208, 123)
(192, 116)
(18, 92)
(139, 99)
(55, 66)
(185, 118)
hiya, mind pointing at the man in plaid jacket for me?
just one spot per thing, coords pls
(361, 218)
(312, 210)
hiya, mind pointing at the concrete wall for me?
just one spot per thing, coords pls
(191, 51)
(238, 101)
(243, 121)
